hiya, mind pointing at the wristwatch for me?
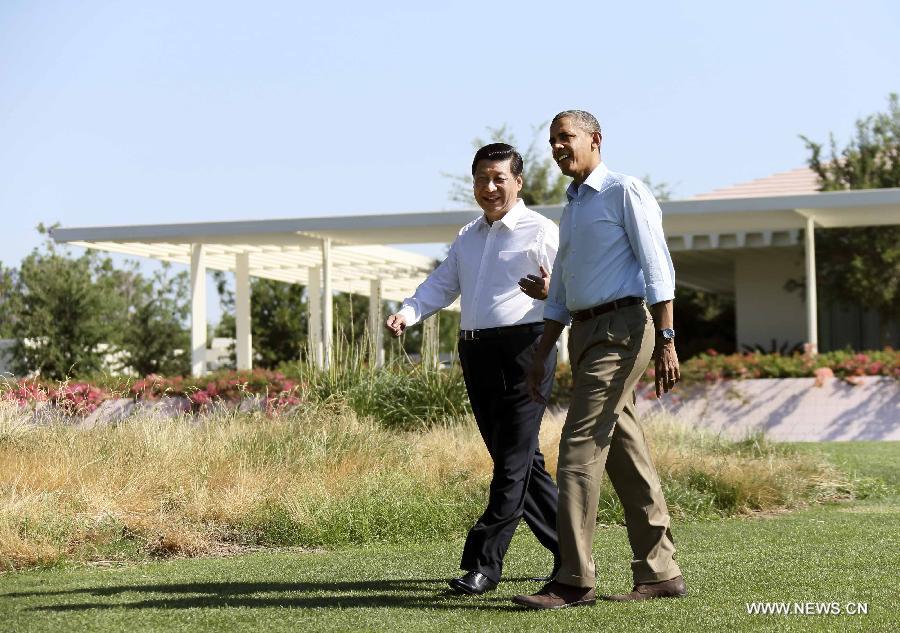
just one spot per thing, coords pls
(666, 334)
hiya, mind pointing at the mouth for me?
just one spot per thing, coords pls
(563, 157)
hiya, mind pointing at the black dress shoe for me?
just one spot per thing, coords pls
(472, 584)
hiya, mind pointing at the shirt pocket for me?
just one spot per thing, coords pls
(513, 265)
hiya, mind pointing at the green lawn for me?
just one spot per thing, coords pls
(838, 553)
(873, 459)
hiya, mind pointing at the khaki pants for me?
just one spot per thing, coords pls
(609, 353)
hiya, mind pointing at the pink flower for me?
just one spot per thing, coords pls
(822, 374)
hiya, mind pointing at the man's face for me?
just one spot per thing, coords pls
(496, 188)
(574, 148)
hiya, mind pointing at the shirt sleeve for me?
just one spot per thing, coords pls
(643, 225)
(555, 305)
(440, 289)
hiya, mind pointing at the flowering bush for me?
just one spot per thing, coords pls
(276, 391)
(71, 398)
(713, 367)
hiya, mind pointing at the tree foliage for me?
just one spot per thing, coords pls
(7, 284)
(76, 316)
(861, 265)
(65, 308)
(278, 319)
(155, 339)
(543, 182)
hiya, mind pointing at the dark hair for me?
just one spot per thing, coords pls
(585, 120)
(500, 151)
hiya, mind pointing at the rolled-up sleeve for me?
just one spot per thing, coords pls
(643, 225)
(440, 289)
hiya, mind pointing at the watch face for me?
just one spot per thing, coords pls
(667, 333)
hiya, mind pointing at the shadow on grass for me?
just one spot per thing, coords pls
(388, 593)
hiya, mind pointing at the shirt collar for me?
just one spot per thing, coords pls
(510, 218)
(594, 181)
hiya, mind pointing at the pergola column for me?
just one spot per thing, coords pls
(314, 293)
(563, 355)
(244, 341)
(376, 327)
(431, 341)
(812, 325)
(327, 303)
(198, 310)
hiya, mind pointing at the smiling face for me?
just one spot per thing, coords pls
(496, 188)
(575, 150)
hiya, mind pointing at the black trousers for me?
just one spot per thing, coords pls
(509, 421)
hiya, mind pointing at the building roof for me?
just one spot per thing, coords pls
(787, 183)
(762, 213)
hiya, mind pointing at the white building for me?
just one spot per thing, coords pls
(746, 240)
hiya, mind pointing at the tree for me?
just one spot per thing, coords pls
(278, 319)
(65, 308)
(155, 338)
(543, 183)
(7, 284)
(861, 265)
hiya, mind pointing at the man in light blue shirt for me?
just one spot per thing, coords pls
(612, 263)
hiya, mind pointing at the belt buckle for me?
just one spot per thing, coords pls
(468, 335)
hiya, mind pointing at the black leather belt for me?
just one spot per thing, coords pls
(584, 315)
(497, 332)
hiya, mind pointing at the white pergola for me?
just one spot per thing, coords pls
(348, 253)
(326, 257)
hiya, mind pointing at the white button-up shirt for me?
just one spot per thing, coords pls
(484, 265)
(611, 246)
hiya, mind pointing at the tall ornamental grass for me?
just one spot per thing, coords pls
(321, 476)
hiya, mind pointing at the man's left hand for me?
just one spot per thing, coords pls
(534, 286)
(667, 371)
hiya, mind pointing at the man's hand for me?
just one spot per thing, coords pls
(395, 324)
(667, 370)
(534, 286)
(535, 377)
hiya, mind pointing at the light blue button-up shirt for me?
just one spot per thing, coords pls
(611, 246)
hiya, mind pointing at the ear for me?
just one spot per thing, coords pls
(519, 182)
(596, 139)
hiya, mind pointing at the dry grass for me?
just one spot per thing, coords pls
(317, 476)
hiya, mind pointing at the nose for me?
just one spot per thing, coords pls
(491, 186)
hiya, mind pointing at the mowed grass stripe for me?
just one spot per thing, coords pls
(820, 555)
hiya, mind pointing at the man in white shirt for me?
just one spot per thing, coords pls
(612, 263)
(500, 264)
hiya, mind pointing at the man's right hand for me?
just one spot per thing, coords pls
(395, 324)
(535, 378)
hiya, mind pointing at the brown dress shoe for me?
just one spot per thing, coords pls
(556, 595)
(674, 588)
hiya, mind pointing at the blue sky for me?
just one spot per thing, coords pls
(142, 112)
